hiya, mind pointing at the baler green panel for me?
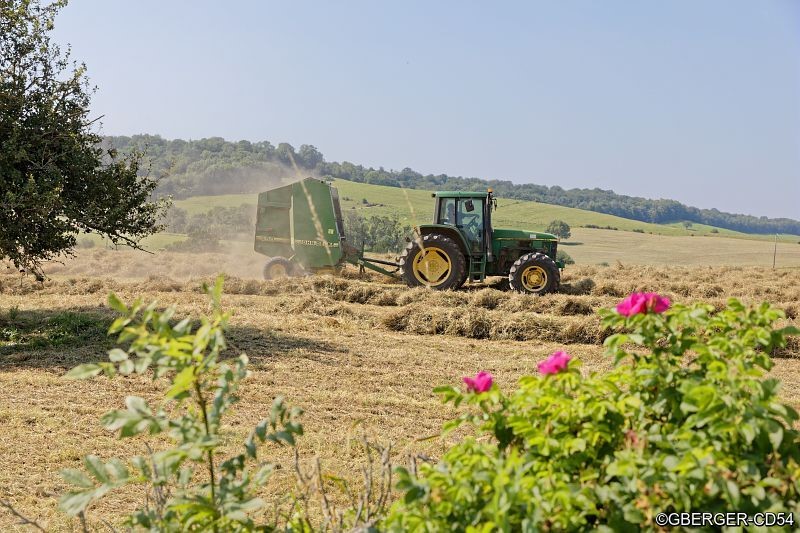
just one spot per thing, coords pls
(316, 239)
(299, 221)
(274, 222)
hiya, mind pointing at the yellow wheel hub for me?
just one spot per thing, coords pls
(432, 266)
(534, 278)
(278, 271)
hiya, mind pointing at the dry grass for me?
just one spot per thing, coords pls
(356, 354)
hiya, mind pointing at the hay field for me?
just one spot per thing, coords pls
(359, 355)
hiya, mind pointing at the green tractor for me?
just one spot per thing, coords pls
(461, 245)
(300, 227)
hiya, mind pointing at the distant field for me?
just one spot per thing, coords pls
(650, 244)
(201, 204)
(154, 242)
(595, 246)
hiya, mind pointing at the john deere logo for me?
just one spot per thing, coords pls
(301, 242)
(316, 243)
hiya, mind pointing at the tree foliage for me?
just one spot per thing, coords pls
(216, 166)
(55, 180)
(376, 233)
(559, 228)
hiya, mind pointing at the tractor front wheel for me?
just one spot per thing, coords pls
(278, 267)
(435, 262)
(534, 273)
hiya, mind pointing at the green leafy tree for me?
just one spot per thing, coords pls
(174, 220)
(559, 228)
(286, 154)
(56, 179)
(376, 233)
(189, 486)
(309, 156)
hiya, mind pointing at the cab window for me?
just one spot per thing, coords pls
(447, 211)
(469, 218)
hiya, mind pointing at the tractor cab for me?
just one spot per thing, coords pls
(470, 214)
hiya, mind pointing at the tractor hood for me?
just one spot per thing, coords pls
(522, 235)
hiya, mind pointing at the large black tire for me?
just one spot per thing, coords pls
(534, 273)
(465, 277)
(278, 267)
(438, 263)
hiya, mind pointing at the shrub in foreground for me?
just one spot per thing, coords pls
(685, 421)
(189, 486)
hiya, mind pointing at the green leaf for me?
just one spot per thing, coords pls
(116, 355)
(116, 304)
(747, 431)
(790, 330)
(117, 470)
(77, 478)
(182, 382)
(135, 403)
(126, 367)
(96, 467)
(74, 503)
(775, 431)
(84, 371)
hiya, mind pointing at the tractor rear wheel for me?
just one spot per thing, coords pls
(278, 267)
(534, 273)
(436, 262)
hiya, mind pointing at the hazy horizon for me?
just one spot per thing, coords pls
(698, 103)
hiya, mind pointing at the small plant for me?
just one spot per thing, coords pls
(638, 230)
(687, 423)
(189, 485)
(565, 257)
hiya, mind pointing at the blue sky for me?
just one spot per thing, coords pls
(695, 101)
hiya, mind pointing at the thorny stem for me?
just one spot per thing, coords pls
(210, 453)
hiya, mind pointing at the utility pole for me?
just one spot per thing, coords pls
(775, 252)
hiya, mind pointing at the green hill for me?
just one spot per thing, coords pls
(630, 241)
(414, 206)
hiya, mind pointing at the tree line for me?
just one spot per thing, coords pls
(217, 166)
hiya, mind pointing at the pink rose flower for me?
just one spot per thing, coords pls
(555, 363)
(643, 302)
(480, 383)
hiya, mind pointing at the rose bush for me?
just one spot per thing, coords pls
(686, 420)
